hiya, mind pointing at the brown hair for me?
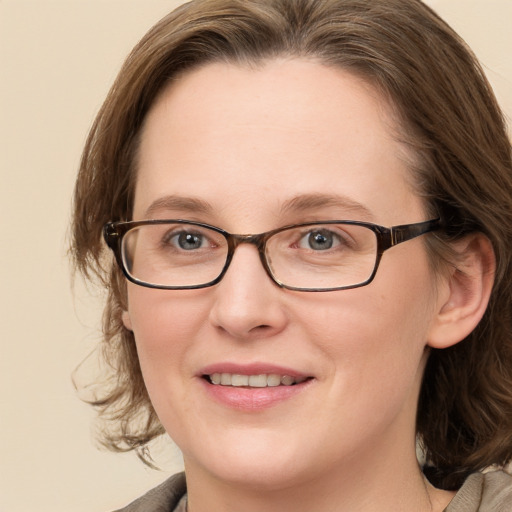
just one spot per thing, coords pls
(462, 164)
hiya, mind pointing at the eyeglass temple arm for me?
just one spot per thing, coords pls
(112, 236)
(406, 232)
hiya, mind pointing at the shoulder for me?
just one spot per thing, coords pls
(163, 498)
(484, 492)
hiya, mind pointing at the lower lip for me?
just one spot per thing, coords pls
(253, 399)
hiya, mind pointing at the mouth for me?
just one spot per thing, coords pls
(253, 387)
(263, 380)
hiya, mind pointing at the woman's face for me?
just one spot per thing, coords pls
(250, 150)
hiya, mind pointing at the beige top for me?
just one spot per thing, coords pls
(489, 492)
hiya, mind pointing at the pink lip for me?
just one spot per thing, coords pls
(251, 399)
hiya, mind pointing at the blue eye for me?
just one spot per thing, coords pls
(188, 241)
(319, 240)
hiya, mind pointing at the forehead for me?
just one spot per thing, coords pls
(258, 137)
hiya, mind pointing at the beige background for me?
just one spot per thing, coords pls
(57, 60)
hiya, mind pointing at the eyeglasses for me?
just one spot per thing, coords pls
(313, 257)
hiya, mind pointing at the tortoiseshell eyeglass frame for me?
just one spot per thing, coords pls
(114, 232)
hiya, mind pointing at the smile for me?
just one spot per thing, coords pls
(253, 381)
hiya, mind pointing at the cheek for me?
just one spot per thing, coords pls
(375, 336)
(385, 312)
(156, 314)
(369, 333)
(164, 324)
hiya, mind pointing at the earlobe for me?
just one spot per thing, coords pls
(467, 290)
(127, 322)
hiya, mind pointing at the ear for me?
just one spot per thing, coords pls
(127, 321)
(464, 292)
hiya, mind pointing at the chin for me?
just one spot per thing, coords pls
(267, 477)
(257, 466)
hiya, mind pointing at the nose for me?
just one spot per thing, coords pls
(247, 304)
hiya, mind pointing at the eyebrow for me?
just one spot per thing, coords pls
(299, 204)
(311, 202)
(173, 202)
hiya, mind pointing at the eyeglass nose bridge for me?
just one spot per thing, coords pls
(260, 241)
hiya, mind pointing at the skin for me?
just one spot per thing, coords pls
(245, 141)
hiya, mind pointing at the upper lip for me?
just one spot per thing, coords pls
(250, 369)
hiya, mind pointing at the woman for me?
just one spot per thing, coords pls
(309, 205)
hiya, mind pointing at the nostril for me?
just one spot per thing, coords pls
(262, 328)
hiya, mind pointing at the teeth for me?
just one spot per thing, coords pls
(254, 381)
(239, 380)
(287, 380)
(257, 381)
(273, 380)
